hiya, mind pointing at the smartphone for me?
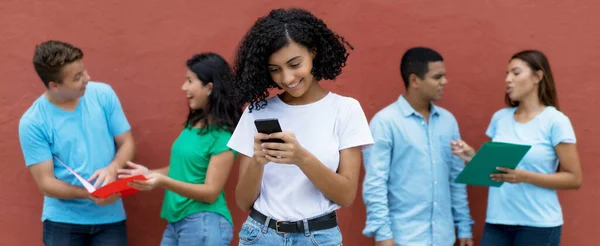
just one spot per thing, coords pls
(268, 126)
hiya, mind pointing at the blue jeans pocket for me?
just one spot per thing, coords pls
(249, 233)
(226, 230)
(328, 237)
(203, 228)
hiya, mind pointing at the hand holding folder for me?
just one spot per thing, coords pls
(490, 156)
(118, 186)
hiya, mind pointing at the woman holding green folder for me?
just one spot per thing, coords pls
(526, 210)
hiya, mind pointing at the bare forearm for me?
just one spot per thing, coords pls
(334, 186)
(200, 192)
(556, 181)
(163, 171)
(52, 187)
(248, 186)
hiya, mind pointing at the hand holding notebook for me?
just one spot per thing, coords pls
(492, 164)
(153, 178)
(117, 187)
(513, 176)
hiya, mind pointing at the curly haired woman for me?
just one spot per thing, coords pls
(292, 188)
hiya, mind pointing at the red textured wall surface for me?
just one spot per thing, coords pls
(139, 47)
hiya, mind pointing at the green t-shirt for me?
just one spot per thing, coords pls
(190, 156)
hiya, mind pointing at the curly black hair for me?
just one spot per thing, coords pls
(272, 32)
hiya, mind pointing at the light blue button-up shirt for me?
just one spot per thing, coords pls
(408, 187)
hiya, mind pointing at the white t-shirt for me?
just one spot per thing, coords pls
(324, 128)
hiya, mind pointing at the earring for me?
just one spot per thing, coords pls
(208, 93)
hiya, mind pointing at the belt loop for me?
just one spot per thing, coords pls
(306, 229)
(266, 225)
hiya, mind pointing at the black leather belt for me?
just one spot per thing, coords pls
(320, 223)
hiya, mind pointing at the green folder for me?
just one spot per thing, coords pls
(485, 161)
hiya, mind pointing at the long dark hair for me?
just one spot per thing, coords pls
(222, 110)
(536, 60)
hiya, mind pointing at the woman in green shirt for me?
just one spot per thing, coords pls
(194, 203)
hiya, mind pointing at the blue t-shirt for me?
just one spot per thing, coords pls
(526, 204)
(83, 140)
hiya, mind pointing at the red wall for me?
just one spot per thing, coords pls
(140, 47)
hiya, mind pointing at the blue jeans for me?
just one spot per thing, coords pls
(199, 229)
(65, 234)
(507, 235)
(255, 233)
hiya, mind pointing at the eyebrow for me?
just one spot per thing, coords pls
(287, 61)
(512, 70)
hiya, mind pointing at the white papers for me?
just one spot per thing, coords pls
(89, 187)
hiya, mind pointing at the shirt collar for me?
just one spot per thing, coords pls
(408, 110)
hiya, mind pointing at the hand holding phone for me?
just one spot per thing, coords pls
(294, 153)
(268, 126)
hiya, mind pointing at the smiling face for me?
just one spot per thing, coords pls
(74, 80)
(196, 92)
(290, 68)
(521, 80)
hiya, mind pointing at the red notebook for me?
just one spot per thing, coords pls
(118, 186)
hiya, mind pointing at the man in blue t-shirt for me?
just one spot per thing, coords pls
(81, 124)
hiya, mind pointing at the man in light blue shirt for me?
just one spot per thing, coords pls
(81, 124)
(408, 189)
